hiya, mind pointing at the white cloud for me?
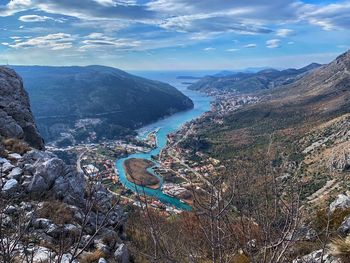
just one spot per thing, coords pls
(250, 46)
(218, 22)
(284, 32)
(36, 18)
(106, 2)
(111, 3)
(15, 6)
(240, 16)
(98, 40)
(273, 43)
(209, 49)
(232, 49)
(95, 36)
(52, 41)
(329, 17)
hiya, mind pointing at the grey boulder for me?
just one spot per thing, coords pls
(121, 255)
(342, 202)
(16, 173)
(10, 186)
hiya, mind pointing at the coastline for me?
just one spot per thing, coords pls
(161, 129)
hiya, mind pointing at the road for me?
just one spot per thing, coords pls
(79, 169)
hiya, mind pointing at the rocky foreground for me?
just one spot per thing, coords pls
(48, 211)
(51, 213)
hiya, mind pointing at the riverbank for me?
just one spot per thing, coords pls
(137, 173)
(164, 128)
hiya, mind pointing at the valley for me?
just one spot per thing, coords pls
(286, 146)
(92, 104)
(174, 131)
(183, 172)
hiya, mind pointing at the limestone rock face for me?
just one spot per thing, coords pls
(52, 176)
(16, 119)
(344, 228)
(316, 257)
(122, 254)
(10, 185)
(342, 202)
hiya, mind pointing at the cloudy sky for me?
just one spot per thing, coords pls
(173, 34)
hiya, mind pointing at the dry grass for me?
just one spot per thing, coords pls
(15, 145)
(240, 258)
(56, 211)
(92, 256)
(303, 248)
(337, 217)
(340, 247)
(110, 239)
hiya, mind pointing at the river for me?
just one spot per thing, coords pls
(166, 126)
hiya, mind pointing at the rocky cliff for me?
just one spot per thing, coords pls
(16, 119)
(49, 212)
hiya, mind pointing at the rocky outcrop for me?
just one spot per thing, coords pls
(42, 174)
(53, 177)
(342, 202)
(41, 190)
(344, 228)
(317, 257)
(122, 254)
(48, 199)
(16, 119)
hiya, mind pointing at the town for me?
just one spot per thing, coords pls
(186, 174)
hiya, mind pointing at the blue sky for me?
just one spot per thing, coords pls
(173, 34)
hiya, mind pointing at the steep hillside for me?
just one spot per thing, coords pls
(288, 151)
(322, 94)
(96, 102)
(286, 122)
(250, 82)
(16, 119)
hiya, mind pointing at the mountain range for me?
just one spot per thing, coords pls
(249, 82)
(76, 104)
(287, 152)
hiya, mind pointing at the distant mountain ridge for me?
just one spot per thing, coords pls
(96, 102)
(314, 99)
(248, 82)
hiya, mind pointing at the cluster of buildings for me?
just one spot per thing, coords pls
(228, 102)
(100, 168)
(173, 189)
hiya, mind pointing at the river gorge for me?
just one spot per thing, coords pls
(164, 127)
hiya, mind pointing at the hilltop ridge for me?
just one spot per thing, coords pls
(250, 82)
(94, 103)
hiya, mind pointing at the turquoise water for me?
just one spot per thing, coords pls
(165, 126)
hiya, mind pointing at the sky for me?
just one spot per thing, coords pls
(173, 34)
